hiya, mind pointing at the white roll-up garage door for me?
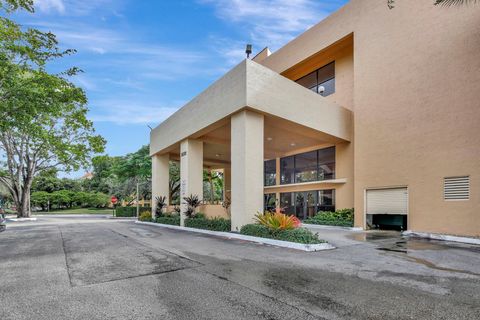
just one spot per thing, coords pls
(387, 201)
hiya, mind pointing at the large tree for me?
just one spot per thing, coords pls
(43, 116)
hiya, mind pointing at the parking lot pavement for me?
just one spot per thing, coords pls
(96, 268)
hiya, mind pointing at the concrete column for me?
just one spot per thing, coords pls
(160, 178)
(191, 172)
(247, 167)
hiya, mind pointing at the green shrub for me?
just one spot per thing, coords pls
(129, 211)
(173, 219)
(215, 224)
(298, 235)
(199, 215)
(342, 218)
(145, 216)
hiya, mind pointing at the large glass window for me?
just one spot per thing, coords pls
(326, 163)
(326, 200)
(269, 202)
(309, 166)
(306, 167)
(287, 170)
(270, 172)
(323, 77)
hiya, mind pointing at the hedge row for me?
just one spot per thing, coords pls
(129, 211)
(173, 220)
(342, 218)
(339, 223)
(214, 224)
(299, 235)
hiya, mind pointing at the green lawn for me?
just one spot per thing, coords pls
(78, 211)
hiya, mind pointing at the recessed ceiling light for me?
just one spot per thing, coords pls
(293, 144)
(269, 138)
(217, 155)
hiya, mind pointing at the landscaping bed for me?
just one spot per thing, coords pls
(340, 218)
(275, 229)
(298, 235)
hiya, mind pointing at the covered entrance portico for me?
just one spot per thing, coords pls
(250, 115)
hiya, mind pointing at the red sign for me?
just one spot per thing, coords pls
(113, 199)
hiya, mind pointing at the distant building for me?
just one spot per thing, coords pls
(87, 176)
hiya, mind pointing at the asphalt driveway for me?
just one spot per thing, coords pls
(97, 268)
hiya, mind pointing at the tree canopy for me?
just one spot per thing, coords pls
(43, 116)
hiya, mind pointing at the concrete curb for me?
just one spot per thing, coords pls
(322, 226)
(122, 218)
(21, 219)
(444, 237)
(229, 235)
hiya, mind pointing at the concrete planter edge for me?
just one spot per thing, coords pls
(229, 235)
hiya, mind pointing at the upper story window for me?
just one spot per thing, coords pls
(309, 166)
(323, 77)
(270, 172)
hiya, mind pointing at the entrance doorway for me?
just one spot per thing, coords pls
(306, 204)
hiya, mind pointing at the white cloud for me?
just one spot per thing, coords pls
(130, 111)
(50, 5)
(76, 7)
(271, 22)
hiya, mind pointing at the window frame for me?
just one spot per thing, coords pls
(316, 71)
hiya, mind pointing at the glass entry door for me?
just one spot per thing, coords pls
(305, 204)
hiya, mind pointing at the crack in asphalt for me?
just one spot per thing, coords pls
(67, 267)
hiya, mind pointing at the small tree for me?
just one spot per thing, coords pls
(42, 199)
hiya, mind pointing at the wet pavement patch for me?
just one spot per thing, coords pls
(96, 256)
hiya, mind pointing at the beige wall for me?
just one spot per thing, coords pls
(214, 211)
(415, 96)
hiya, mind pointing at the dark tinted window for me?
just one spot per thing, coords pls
(287, 203)
(326, 163)
(326, 200)
(287, 170)
(323, 77)
(269, 201)
(309, 166)
(270, 172)
(306, 167)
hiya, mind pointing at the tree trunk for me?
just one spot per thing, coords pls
(23, 205)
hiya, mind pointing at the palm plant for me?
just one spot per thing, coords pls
(454, 2)
(161, 202)
(193, 202)
(445, 3)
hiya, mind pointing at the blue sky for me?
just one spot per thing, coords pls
(143, 60)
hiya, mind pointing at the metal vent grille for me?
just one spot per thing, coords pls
(456, 188)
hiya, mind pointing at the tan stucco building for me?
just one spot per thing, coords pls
(372, 109)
